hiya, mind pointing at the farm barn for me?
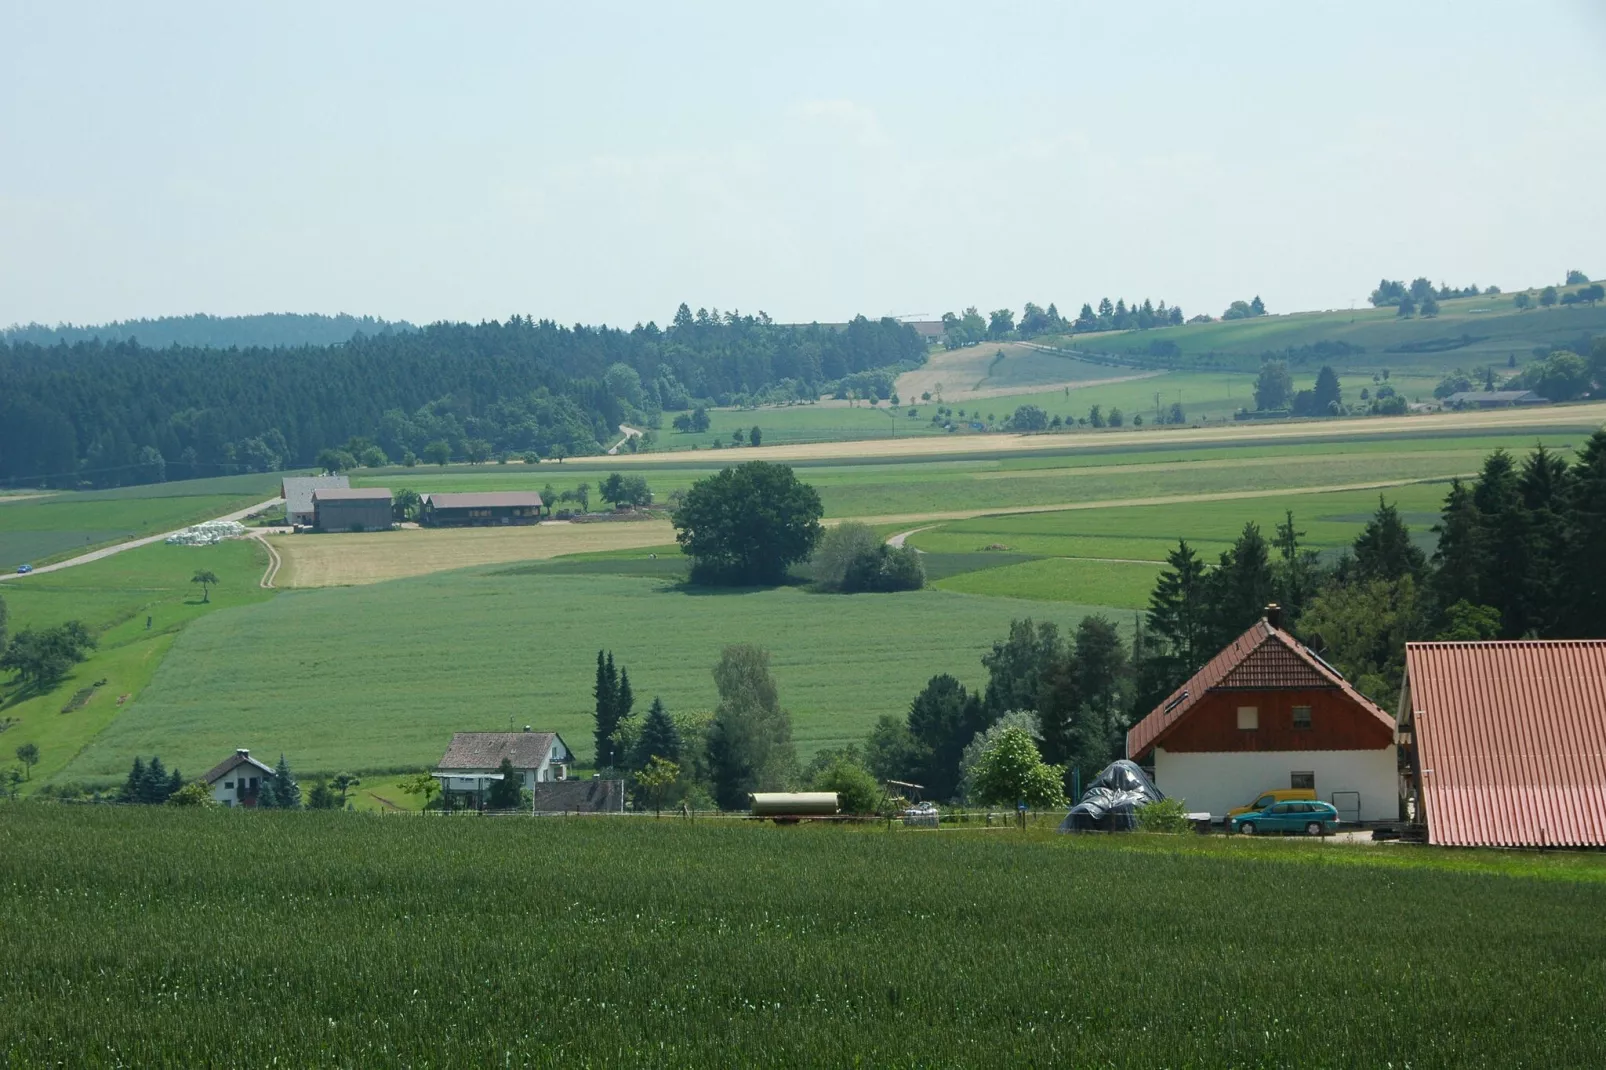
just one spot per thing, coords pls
(237, 779)
(1507, 741)
(297, 494)
(474, 510)
(361, 509)
(1268, 713)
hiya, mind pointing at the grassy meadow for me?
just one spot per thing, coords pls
(114, 597)
(137, 937)
(378, 677)
(37, 530)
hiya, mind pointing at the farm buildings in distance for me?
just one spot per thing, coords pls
(297, 494)
(351, 509)
(480, 509)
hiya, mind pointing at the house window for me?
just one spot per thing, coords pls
(228, 785)
(1248, 718)
(1302, 780)
(1301, 716)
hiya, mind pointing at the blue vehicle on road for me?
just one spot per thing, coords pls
(1310, 817)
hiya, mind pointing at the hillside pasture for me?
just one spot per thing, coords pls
(993, 368)
(378, 677)
(333, 560)
(1468, 332)
(410, 941)
(114, 597)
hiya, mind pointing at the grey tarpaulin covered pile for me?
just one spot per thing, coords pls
(1111, 803)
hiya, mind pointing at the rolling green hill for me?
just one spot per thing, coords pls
(1468, 332)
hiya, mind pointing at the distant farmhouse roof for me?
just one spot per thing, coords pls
(515, 499)
(1263, 658)
(233, 762)
(1510, 741)
(1485, 398)
(485, 750)
(349, 494)
(297, 490)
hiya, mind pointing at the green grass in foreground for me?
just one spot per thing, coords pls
(114, 596)
(59, 525)
(136, 937)
(378, 678)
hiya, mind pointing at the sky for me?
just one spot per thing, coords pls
(603, 162)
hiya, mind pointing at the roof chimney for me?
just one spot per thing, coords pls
(1274, 615)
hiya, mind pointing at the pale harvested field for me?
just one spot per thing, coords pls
(1591, 413)
(957, 374)
(372, 557)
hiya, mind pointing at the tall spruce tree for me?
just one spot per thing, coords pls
(606, 692)
(1384, 551)
(942, 719)
(151, 789)
(1505, 535)
(1544, 485)
(285, 786)
(1458, 559)
(1298, 570)
(1585, 528)
(659, 737)
(1239, 589)
(1178, 618)
(135, 784)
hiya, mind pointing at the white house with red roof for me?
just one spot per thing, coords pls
(1264, 713)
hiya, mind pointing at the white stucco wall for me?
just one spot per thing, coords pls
(1218, 781)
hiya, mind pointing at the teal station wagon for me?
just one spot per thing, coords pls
(1309, 817)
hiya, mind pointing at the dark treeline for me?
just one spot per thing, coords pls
(272, 329)
(114, 413)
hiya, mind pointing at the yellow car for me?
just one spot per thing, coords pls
(1269, 798)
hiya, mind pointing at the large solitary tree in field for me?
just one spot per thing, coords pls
(748, 524)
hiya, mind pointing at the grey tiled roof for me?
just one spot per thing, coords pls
(298, 490)
(485, 750)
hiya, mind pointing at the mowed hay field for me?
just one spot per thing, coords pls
(372, 557)
(137, 937)
(378, 677)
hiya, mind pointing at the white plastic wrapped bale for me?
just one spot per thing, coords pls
(207, 534)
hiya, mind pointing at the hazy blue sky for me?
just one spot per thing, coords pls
(603, 162)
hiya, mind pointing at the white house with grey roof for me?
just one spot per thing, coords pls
(473, 761)
(297, 494)
(237, 779)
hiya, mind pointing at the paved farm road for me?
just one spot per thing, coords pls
(107, 551)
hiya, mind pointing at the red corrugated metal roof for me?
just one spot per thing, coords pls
(1262, 658)
(1510, 741)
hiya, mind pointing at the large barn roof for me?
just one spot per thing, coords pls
(350, 494)
(517, 499)
(1510, 741)
(1264, 658)
(298, 490)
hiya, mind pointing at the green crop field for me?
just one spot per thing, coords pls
(114, 597)
(1468, 332)
(1111, 470)
(135, 937)
(37, 530)
(378, 678)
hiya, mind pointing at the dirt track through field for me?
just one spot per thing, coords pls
(1120, 503)
(372, 557)
(274, 562)
(871, 450)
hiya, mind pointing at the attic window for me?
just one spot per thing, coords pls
(1248, 718)
(1302, 717)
